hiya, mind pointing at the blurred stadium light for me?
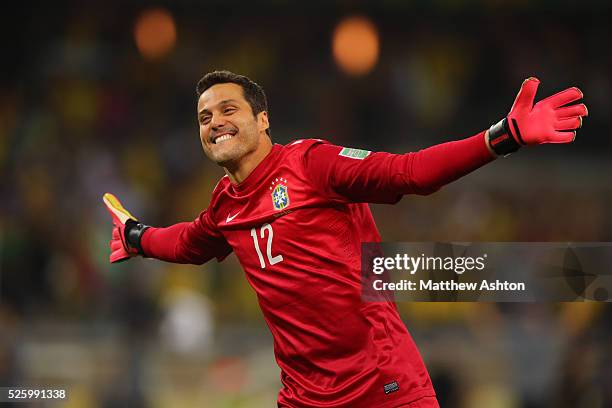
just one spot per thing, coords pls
(155, 33)
(356, 45)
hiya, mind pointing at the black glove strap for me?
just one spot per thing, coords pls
(501, 140)
(133, 234)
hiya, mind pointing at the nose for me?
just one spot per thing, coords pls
(217, 122)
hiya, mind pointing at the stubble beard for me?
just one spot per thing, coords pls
(230, 156)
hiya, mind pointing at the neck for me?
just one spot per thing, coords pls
(238, 172)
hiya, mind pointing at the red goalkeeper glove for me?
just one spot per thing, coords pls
(548, 121)
(127, 231)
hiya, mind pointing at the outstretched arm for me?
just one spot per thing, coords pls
(353, 175)
(188, 242)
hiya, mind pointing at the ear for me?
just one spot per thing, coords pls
(262, 121)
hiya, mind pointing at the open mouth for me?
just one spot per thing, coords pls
(222, 137)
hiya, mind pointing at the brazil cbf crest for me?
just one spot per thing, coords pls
(280, 193)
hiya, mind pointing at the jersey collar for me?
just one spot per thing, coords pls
(259, 173)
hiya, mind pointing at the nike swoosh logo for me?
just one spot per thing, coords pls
(230, 218)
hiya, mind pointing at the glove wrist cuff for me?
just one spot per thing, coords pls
(133, 234)
(501, 140)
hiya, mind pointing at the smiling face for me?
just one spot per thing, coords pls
(229, 131)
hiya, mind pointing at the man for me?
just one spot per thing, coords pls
(296, 215)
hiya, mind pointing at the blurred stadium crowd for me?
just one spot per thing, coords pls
(85, 110)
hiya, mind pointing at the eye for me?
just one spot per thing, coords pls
(229, 110)
(205, 119)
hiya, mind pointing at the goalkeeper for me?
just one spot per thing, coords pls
(296, 216)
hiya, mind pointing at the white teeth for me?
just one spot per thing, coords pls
(223, 138)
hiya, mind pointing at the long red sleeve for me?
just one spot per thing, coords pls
(384, 177)
(187, 242)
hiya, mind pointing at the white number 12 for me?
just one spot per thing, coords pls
(271, 259)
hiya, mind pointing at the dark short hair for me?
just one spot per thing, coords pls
(253, 92)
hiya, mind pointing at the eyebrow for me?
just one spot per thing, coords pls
(223, 102)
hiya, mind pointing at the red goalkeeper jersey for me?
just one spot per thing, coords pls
(296, 224)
